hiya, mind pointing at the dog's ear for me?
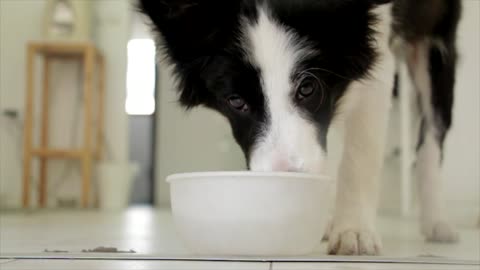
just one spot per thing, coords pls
(191, 31)
(191, 28)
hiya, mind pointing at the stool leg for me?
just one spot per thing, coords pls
(101, 97)
(100, 113)
(42, 199)
(86, 175)
(87, 153)
(27, 137)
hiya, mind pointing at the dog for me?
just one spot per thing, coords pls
(284, 72)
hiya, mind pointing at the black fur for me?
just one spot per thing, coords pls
(415, 20)
(193, 32)
(201, 39)
(442, 76)
(396, 85)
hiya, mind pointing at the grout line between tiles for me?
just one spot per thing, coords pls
(8, 261)
(362, 259)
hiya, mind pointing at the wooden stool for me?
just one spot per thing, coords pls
(89, 56)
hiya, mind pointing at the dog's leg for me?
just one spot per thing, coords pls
(353, 231)
(432, 69)
(366, 108)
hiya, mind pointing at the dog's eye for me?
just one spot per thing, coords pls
(306, 89)
(237, 103)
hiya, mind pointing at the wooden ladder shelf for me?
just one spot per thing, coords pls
(91, 147)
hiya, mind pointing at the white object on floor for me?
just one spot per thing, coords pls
(250, 213)
(115, 182)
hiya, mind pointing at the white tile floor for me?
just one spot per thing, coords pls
(25, 237)
(130, 265)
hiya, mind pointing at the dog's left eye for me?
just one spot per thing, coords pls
(306, 89)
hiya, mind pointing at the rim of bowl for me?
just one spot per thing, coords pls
(285, 175)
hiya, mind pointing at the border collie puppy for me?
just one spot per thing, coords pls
(284, 71)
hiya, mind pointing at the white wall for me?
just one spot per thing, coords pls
(22, 21)
(15, 30)
(461, 172)
(111, 34)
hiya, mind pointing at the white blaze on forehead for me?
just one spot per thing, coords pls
(288, 135)
(274, 51)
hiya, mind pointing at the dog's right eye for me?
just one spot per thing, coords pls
(306, 89)
(237, 103)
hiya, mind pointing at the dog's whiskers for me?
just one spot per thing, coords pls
(328, 71)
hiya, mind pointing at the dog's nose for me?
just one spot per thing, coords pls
(284, 165)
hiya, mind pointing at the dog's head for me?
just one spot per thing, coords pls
(276, 69)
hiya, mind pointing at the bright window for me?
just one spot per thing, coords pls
(140, 77)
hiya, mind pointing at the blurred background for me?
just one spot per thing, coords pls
(147, 136)
(142, 123)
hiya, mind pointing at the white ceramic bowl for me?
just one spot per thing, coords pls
(249, 213)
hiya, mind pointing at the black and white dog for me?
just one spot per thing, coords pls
(283, 72)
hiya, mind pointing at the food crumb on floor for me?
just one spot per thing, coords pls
(55, 251)
(108, 249)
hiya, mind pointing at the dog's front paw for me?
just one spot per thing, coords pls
(439, 231)
(354, 242)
